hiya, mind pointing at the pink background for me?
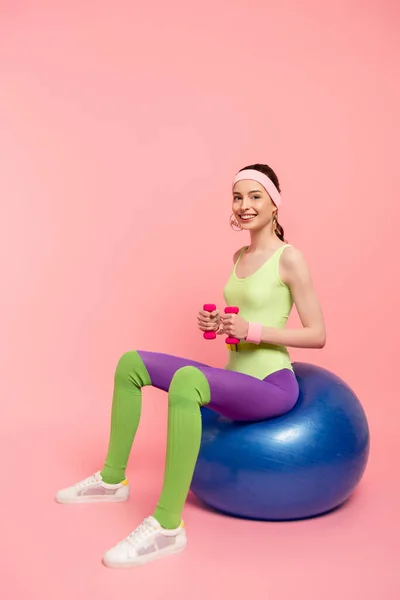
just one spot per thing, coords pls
(121, 126)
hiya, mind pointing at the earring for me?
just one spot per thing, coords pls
(274, 222)
(234, 224)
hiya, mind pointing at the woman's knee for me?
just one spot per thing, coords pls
(131, 370)
(189, 386)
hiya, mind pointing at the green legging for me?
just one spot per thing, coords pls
(188, 391)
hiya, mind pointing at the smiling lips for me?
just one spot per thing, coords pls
(247, 217)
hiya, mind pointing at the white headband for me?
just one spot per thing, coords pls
(265, 181)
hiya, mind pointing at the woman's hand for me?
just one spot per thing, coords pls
(208, 321)
(234, 325)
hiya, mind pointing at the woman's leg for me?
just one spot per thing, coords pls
(135, 370)
(235, 395)
(190, 385)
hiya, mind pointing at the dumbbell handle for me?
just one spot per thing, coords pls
(229, 310)
(209, 335)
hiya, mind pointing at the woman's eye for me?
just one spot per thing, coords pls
(256, 197)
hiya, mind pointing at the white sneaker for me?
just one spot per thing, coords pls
(94, 489)
(147, 543)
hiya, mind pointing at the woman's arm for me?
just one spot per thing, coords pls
(295, 273)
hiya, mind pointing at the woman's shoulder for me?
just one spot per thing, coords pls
(292, 261)
(291, 255)
(238, 253)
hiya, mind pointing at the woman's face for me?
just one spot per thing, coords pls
(252, 206)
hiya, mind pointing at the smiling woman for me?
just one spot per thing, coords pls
(268, 188)
(256, 201)
(257, 383)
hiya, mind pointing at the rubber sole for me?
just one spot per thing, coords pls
(92, 499)
(143, 560)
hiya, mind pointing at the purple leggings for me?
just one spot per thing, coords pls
(234, 395)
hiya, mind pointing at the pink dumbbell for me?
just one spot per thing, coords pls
(209, 335)
(234, 310)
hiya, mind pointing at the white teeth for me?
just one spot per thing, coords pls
(247, 217)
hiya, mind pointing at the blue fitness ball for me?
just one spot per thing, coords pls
(302, 464)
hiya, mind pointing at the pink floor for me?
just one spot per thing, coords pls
(51, 552)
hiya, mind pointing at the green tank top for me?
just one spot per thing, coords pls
(264, 298)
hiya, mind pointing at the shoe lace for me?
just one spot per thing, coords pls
(140, 534)
(92, 479)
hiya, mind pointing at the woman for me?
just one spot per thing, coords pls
(258, 381)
